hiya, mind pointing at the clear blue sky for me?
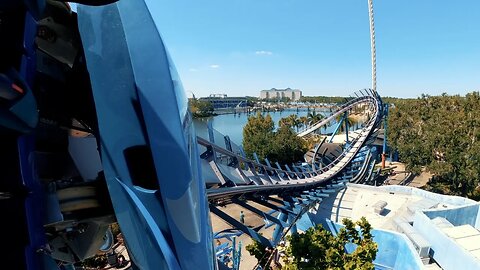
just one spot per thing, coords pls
(240, 47)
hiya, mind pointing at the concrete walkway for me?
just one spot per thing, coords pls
(418, 181)
(247, 262)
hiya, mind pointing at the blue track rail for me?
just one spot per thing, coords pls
(259, 177)
(234, 179)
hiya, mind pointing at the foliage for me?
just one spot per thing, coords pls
(115, 229)
(291, 121)
(200, 108)
(441, 134)
(282, 145)
(323, 99)
(279, 99)
(317, 248)
(287, 147)
(312, 141)
(258, 135)
(259, 251)
(314, 117)
(350, 120)
(304, 120)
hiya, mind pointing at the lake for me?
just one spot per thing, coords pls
(232, 124)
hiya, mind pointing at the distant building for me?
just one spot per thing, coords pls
(221, 101)
(292, 94)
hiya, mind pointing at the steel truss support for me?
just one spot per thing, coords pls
(237, 224)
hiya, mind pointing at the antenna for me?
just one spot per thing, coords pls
(372, 45)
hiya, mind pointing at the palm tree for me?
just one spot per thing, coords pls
(314, 117)
(283, 122)
(304, 121)
(350, 120)
(294, 121)
(290, 121)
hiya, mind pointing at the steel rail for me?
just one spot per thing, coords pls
(345, 107)
(301, 182)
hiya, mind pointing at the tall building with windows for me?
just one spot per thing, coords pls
(292, 94)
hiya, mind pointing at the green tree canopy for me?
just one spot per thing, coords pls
(323, 99)
(282, 145)
(287, 147)
(200, 108)
(350, 120)
(441, 134)
(317, 248)
(258, 135)
(291, 121)
(314, 117)
(259, 251)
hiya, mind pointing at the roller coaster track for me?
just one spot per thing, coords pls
(345, 107)
(277, 179)
(289, 194)
(149, 159)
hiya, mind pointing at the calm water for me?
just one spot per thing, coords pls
(232, 124)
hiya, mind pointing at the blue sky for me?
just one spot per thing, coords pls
(239, 47)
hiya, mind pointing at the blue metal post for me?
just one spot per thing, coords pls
(277, 233)
(211, 137)
(236, 260)
(242, 152)
(385, 124)
(293, 229)
(288, 168)
(278, 166)
(256, 158)
(346, 126)
(268, 162)
(337, 128)
(228, 143)
(234, 251)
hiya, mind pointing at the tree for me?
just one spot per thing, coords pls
(294, 121)
(283, 145)
(305, 121)
(285, 121)
(314, 117)
(291, 121)
(259, 251)
(258, 135)
(317, 248)
(323, 99)
(200, 108)
(350, 120)
(287, 147)
(440, 134)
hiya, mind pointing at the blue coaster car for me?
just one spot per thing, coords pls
(95, 129)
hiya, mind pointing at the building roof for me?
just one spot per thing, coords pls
(280, 90)
(359, 200)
